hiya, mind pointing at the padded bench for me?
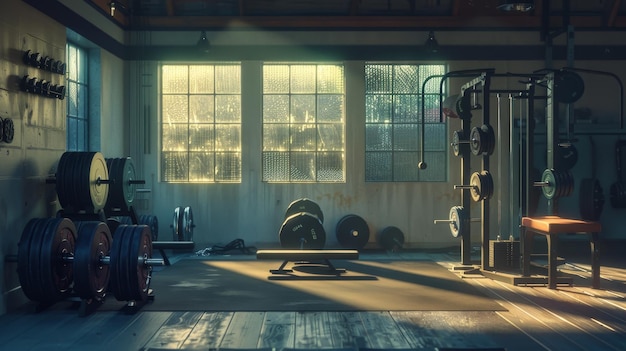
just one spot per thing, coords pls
(309, 256)
(551, 227)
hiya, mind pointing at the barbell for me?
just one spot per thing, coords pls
(481, 141)
(183, 224)
(555, 183)
(57, 258)
(481, 186)
(303, 226)
(458, 219)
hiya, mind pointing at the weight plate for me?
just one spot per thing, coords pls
(482, 185)
(153, 223)
(352, 232)
(459, 143)
(113, 223)
(565, 157)
(591, 199)
(122, 189)
(302, 230)
(464, 107)
(489, 139)
(305, 205)
(98, 171)
(476, 141)
(28, 250)
(618, 195)
(391, 238)
(188, 224)
(458, 221)
(91, 275)
(568, 87)
(118, 276)
(59, 241)
(177, 224)
(550, 188)
(139, 273)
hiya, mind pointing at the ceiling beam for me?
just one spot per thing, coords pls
(513, 22)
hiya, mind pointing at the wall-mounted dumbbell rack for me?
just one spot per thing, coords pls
(43, 87)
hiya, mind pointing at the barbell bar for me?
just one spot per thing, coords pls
(458, 220)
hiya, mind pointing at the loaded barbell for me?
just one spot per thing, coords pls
(481, 186)
(555, 183)
(57, 258)
(458, 219)
(183, 224)
(303, 226)
(482, 140)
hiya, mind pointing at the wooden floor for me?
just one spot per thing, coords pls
(569, 318)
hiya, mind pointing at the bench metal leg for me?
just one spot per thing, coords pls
(281, 269)
(527, 249)
(553, 241)
(595, 261)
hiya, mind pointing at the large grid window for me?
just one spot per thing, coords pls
(393, 123)
(77, 83)
(303, 123)
(201, 123)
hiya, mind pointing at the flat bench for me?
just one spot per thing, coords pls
(307, 256)
(551, 227)
(174, 245)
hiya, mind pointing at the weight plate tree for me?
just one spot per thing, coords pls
(352, 232)
(131, 259)
(82, 181)
(391, 238)
(302, 230)
(43, 265)
(123, 184)
(91, 274)
(305, 205)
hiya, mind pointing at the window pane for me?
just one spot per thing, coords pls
(406, 137)
(276, 108)
(378, 166)
(379, 78)
(330, 108)
(303, 79)
(302, 166)
(227, 108)
(405, 166)
(378, 108)
(406, 108)
(303, 137)
(175, 137)
(276, 137)
(330, 137)
(276, 166)
(227, 137)
(72, 95)
(330, 79)
(406, 79)
(378, 137)
(303, 108)
(175, 108)
(228, 166)
(175, 79)
(201, 137)
(201, 167)
(201, 80)
(275, 79)
(227, 79)
(330, 167)
(174, 166)
(201, 108)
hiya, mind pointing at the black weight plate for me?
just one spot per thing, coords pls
(305, 205)
(188, 224)
(121, 190)
(153, 223)
(565, 157)
(476, 141)
(59, 240)
(464, 107)
(177, 224)
(139, 274)
(352, 232)
(391, 238)
(302, 230)
(91, 276)
(489, 139)
(113, 223)
(458, 221)
(117, 283)
(568, 87)
(618, 195)
(591, 199)
(28, 250)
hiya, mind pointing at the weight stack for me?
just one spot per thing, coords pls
(504, 254)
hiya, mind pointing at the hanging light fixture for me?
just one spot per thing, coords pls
(112, 7)
(203, 43)
(516, 6)
(431, 44)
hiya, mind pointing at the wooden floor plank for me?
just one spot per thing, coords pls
(382, 332)
(244, 331)
(41, 327)
(113, 326)
(312, 331)
(278, 330)
(175, 330)
(347, 330)
(209, 330)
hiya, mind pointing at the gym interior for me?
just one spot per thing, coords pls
(299, 175)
